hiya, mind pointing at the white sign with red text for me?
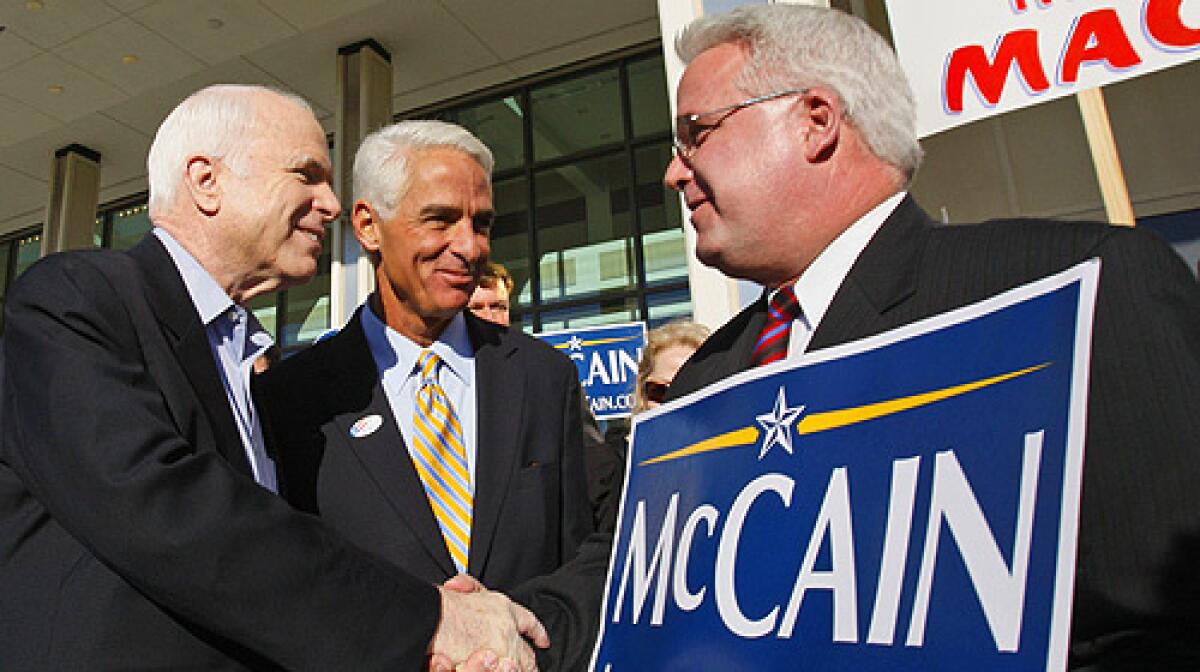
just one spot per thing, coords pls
(971, 59)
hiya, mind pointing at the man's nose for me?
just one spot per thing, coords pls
(467, 242)
(327, 202)
(678, 173)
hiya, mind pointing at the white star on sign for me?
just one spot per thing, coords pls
(778, 424)
(574, 343)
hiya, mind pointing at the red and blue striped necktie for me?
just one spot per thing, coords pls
(772, 344)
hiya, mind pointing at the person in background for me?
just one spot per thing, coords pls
(492, 296)
(667, 349)
(491, 301)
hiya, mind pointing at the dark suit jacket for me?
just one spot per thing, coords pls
(531, 509)
(1137, 584)
(132, 535)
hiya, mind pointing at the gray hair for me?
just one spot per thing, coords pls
(799, 46)
(381, 174)
(219, 121)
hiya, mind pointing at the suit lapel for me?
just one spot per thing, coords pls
(499, 380)
(882, 279)
(383, 453)
(743, 348)
(173, 307)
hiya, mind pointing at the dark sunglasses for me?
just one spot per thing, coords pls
(655, 391)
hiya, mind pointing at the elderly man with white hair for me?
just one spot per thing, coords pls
(139, 524)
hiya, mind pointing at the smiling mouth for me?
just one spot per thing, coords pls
(313, 235)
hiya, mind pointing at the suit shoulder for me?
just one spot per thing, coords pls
(1083, 233)
(537, 348)
(79, 268)
(1020, 248)
(1070, 241)
(723, 338)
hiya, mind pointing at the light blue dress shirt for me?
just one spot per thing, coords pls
(396, 359)
(236, 339)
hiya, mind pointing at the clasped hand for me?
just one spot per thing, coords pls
(483, 630)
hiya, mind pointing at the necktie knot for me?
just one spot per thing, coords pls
(784, 306)
(772, 344)
(428, 363)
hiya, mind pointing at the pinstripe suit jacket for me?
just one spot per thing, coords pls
(1137, 588)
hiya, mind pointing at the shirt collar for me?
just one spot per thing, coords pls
(393, 351)
(824, 276)
(210, 300)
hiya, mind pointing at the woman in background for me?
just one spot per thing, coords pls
(667, 348)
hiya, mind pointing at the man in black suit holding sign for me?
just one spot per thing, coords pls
(795, 143)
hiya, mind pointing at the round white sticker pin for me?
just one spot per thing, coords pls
(366, 426)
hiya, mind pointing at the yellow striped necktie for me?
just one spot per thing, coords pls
(441, 459)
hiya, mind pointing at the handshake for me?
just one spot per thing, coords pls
(481, 630)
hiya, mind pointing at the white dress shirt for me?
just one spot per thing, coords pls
(396, 359)
(819, 283)
(236, 339)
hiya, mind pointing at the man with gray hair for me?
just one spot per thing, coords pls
(138, 524)
(438, 441)
(795, 143)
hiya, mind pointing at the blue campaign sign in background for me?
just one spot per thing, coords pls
(607, 359)
(908, 502)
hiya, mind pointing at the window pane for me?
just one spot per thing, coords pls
(648, 97)
(510, 236)
(98, 232)
(129, 226)
(668, 306)
(577, 114)
(29, 249)
(264, 309)
(307, 306)
(584, 225)
(524, 322)
(662, 226)
(610, 311)
(498, 123)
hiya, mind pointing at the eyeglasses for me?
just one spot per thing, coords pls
(655, 391)
(690, 131)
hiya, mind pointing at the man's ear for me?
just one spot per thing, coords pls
(201, 179)
(366, 224)
(822, 124)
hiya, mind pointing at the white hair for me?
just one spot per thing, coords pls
(381, 171)
(218, 121)
(800, 46)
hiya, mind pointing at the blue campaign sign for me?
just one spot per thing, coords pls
(607, 358)
(906, 502)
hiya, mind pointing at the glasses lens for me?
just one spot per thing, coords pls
(655, 392)
(684, 134)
